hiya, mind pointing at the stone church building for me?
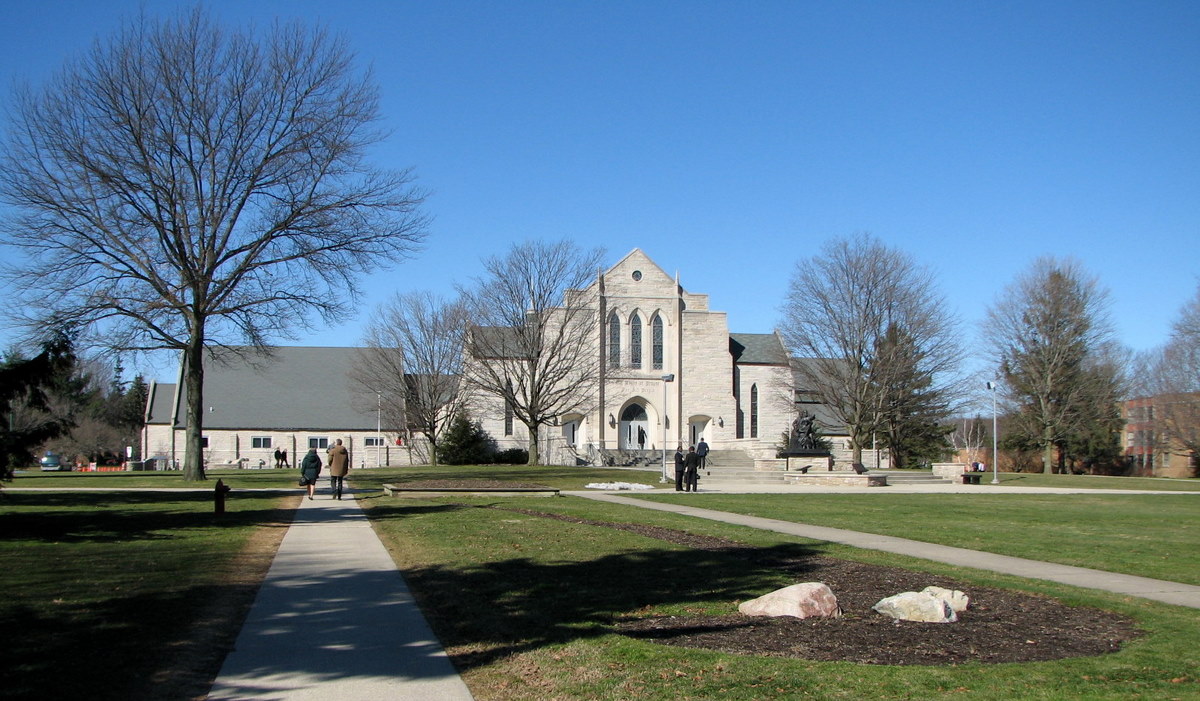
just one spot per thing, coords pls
(670, 373)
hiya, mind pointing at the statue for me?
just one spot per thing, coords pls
(804, 435)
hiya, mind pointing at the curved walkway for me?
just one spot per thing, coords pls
(1157, 589)
(334, 619)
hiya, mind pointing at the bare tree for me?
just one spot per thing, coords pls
(183, 186)
(1170, 377)
(533, 343)
(969, 436)
(841, 306)
(1052, 341)
(413, 359)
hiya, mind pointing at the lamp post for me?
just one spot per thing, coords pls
(378, 428)
(666, 380)
(995, 455)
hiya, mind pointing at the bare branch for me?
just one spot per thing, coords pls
(183, 185)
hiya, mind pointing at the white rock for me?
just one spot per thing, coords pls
(806, 600)
(957, 600)
(916, 606)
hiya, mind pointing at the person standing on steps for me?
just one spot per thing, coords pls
(702, 451)
(680, 467)
(339, 465)
(310, 470)
(691, 463)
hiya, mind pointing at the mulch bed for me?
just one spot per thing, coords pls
(999, 626)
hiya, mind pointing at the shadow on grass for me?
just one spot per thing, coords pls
(110, 647)
(106, 589)
(508, 606)
(74, 517)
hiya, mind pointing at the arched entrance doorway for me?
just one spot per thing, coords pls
(634, 424)
(697, 426)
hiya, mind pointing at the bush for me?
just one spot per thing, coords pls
(512, 456)
(465, 443)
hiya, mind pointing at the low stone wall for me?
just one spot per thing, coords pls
(815, 463)
(396, 491)
(836, 479)
(950, 470)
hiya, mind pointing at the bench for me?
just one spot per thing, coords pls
(971, 477)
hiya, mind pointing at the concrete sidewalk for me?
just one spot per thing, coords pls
(334, 619)
(1156, 589)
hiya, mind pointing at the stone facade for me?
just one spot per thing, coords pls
(732, 402)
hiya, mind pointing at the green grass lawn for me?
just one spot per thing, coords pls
(106, 589)
(102, 590)
(170, 479)
(1151, 535)
(523, 604)
(1031, 479)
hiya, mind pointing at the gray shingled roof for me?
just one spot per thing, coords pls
(757, 349)
(297, 388)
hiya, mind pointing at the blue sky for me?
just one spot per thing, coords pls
(730, 140)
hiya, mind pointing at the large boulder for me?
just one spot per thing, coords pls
(916, 606)
(806, 600)
(957, 600)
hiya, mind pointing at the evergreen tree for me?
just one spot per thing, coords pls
(911, 406)
(1051, 333)
(23, 385)
(466, 443)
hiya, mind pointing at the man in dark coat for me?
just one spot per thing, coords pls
(679, 468)
(702, 452)
(691, 464)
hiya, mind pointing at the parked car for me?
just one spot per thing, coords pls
(51, 462)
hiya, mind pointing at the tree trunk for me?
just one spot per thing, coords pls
(534, 452)
(193, 456)
(1047, 451)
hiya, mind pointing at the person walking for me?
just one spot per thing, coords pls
(278, 459)
(339, 465)
(680, 468)
(285, 463)
(641, 438)
(702, 452)
(691, 464)
(310, 470)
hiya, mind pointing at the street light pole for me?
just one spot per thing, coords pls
(378, 428)
(995, 455)
(666, 379)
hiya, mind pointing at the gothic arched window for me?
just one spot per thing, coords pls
(635, 342)
(614, 341)
(656, 342)
(754, 411)
(508, 411)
